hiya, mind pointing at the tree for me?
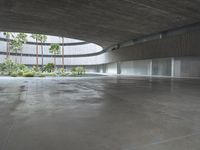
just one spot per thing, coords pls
(63, 49)
(39, 38)
(42, 40)
(36, 37)
(22, 37)
(55, 50)
(16, 44)
(8, 35)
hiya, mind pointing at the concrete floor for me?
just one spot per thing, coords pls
(99, 113)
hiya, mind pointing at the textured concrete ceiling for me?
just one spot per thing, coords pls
(104, 22)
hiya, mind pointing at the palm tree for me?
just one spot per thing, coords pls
(15, 46)
(42, 39)
(36, 37)
(8, 35)
(63, 49)
(22, 37)
(55, 50)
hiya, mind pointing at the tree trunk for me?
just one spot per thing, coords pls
(63, 60)
(37, 53)
(7, 55)
(42, 55)
(8, 48)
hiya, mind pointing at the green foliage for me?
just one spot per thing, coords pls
(36, 69)
(20, 73)
(7, 67)
(78, 71)
(1, 69)
(61, 72)
(74, 73)
(22, 37)
(39, 74)
(49, 74)
(16, 44)
(39, 37)
(43, 38)
(50, 67)
(28, 74)
(64, 74)
(54, 49)
(8, 35)
(14, 74)
(36, 36)
(21, 67)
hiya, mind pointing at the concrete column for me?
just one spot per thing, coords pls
(172, 67)
(118, 68)
(150, 67)
(104, 68)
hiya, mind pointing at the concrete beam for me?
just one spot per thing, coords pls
(176, 46)
(102, 22)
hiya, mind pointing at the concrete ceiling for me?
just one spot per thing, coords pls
(105, 22)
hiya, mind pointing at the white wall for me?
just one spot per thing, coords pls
(70, 61)
(111, 68)
(3, 46)
(161, 67)
(187, 67)
(138, 67)
(68, 50)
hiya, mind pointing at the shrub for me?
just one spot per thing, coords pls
(14, 74)
(28, 74)
(74, 73)
(50, 74)
(61, 70)
(36, 69)
(21, 67)
(8, 66)
(20, 73)
(50, 67)
(1, 69)
(78, 71)
(64, 74)
(39, 74)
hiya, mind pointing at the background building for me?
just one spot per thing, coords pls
(174, 54)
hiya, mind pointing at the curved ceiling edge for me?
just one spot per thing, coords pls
(34, 55)
(47, 44)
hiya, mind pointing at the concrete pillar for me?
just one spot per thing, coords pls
(104, 68)
(151, 68)
(172, 67)
(97, 68)
(118, 68)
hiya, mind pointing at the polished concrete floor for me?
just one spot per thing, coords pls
(99, 113)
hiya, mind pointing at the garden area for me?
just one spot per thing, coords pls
(10, 68)
(15, 43)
